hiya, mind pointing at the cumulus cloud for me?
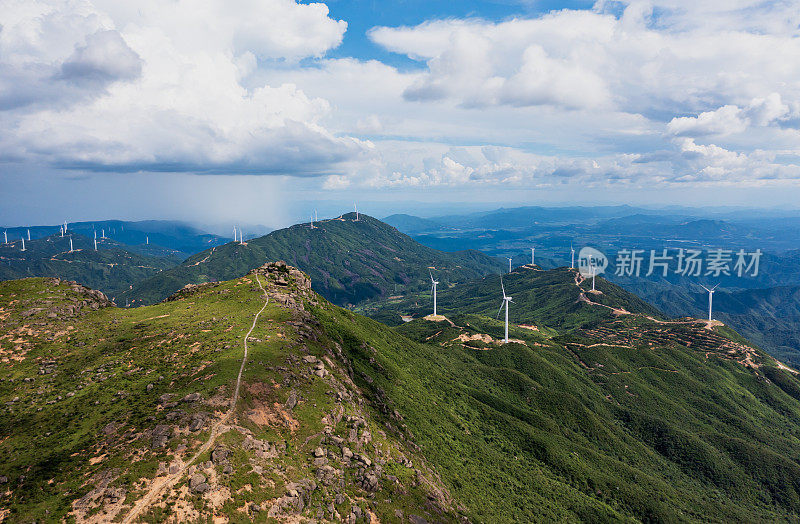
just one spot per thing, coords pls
(638, 93)
(731, 119)
(655, 58)
(104, 57)
(161, 86)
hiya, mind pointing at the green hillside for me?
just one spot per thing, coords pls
(606, 415)
(348, 261)
(551, 298)
(113, 268)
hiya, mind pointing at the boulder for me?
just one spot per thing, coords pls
(220, 455)
(291, 402)
(196, 479)
(161, 435)
(192, 397)
(198, 421)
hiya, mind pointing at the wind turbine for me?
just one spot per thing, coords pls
(61, 229)
(533, 256)
(509, 264)
(5, 237)
(434, 283)
(29, 235)
(506, 301)
(147, 240)
(710, 299)
(23, 243)
(572, 260)
(594, 273)
(70, 244)
(312, 221)
(95, 242)
(355, 206)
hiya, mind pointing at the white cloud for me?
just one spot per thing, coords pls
(587, 98)
(731, 119)
(656, 58)
(160, 86)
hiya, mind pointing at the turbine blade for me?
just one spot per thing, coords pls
(503, 287)
(503, 303)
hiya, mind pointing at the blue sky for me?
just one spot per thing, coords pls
(250, 111)
(363, 15)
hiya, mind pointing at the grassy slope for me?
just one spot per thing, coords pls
(348, 261)
(607, 418)
(564, 429)
(111, 269)
(60, 445)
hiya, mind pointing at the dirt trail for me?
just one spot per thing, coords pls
(159, 484)
(207, 257)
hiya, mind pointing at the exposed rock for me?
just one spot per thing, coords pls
(192, 397)
(198, 421)
(291, 402)
(220, 455)
(197, 483)
(161, 435)
(189, 290)
(163, 399)
(174, 415)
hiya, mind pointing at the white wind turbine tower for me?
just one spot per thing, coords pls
(5, 237)
(594, 272)
(312, 221)
(434, 283)
(506, 301)
(710, 299)
(61, 229)
(533, 256)
(29, 235)
(355, 206)
(509, 264)
(23, 243)
(147, 240)
(95, 241)
(70, 244)
(572, 259)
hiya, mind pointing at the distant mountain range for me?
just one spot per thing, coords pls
(113, 268)
(179, 237)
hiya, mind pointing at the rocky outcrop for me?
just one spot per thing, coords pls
(189, 290)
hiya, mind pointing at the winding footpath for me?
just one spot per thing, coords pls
(217, 429)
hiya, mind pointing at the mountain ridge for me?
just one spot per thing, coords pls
(349, 261)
